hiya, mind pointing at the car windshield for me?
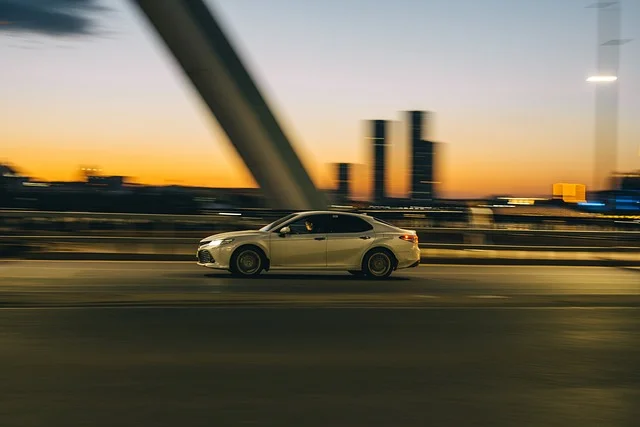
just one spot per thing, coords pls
(275, 224)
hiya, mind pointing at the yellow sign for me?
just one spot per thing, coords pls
(570, 193)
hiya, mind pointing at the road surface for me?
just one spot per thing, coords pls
(77, 283)
(106, 344)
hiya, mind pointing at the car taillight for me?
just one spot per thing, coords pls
(410, 238)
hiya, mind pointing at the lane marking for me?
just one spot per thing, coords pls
(489, 296)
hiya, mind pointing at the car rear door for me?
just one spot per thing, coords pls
(348, 239)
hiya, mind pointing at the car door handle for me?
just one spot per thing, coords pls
(319, 238)
(365, 237)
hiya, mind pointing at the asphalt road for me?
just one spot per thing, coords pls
(110, 351)
(78, 283)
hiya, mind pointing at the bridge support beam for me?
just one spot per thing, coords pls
(190, 31)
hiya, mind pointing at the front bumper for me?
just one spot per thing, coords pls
(216, 257)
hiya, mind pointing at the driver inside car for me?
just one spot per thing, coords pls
(309, 226)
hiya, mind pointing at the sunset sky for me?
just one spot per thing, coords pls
(505, 80)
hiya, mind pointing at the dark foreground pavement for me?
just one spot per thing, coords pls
(319, 367)
(172, 344)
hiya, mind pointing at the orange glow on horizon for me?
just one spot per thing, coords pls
(153, 152)
(234, 174)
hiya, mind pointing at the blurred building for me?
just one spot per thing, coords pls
(624, 197)
(7, 170)
(95, 192)
(343, 190)
(10, 177)
(627, 181)
(379, 139)
(107, 182)
(422, 161)
(570, 193)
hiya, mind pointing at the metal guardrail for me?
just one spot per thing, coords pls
(222, 215)
(16, 214)
(131, 224)
(248, 213)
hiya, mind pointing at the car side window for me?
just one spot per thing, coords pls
(349, 224)
(312, 224)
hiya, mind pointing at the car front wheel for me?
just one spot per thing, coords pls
(378, 264)
(247, 262)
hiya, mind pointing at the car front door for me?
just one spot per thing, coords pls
(348, 240)
(305, 246)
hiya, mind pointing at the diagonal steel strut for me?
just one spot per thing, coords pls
(190, 31)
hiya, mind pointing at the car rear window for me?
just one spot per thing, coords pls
(349, 224)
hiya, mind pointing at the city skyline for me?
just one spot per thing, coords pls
(532, 125)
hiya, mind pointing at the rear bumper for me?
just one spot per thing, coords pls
(415, 264)
(410, 258)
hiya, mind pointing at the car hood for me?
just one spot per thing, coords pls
(232, 234)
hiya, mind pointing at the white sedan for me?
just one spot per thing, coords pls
(317, 240)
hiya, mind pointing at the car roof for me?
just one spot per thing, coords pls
(332, 213)
(364, 217)
(370, 219)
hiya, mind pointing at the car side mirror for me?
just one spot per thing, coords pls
(284, 231)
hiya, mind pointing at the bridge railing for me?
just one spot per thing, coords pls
(15, 222)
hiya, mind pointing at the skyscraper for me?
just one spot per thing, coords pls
(343, 191)
(422, 160)
(379, 161)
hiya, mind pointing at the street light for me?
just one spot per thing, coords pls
(606, 92)
(602, 79)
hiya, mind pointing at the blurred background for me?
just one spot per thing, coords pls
(421, 112)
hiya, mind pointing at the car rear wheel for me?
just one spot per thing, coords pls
(378, 264)
(247, 261)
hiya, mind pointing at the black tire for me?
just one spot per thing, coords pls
(357, 273)
(247, 261)
(378, 264)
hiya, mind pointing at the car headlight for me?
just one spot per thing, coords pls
(219, 242)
